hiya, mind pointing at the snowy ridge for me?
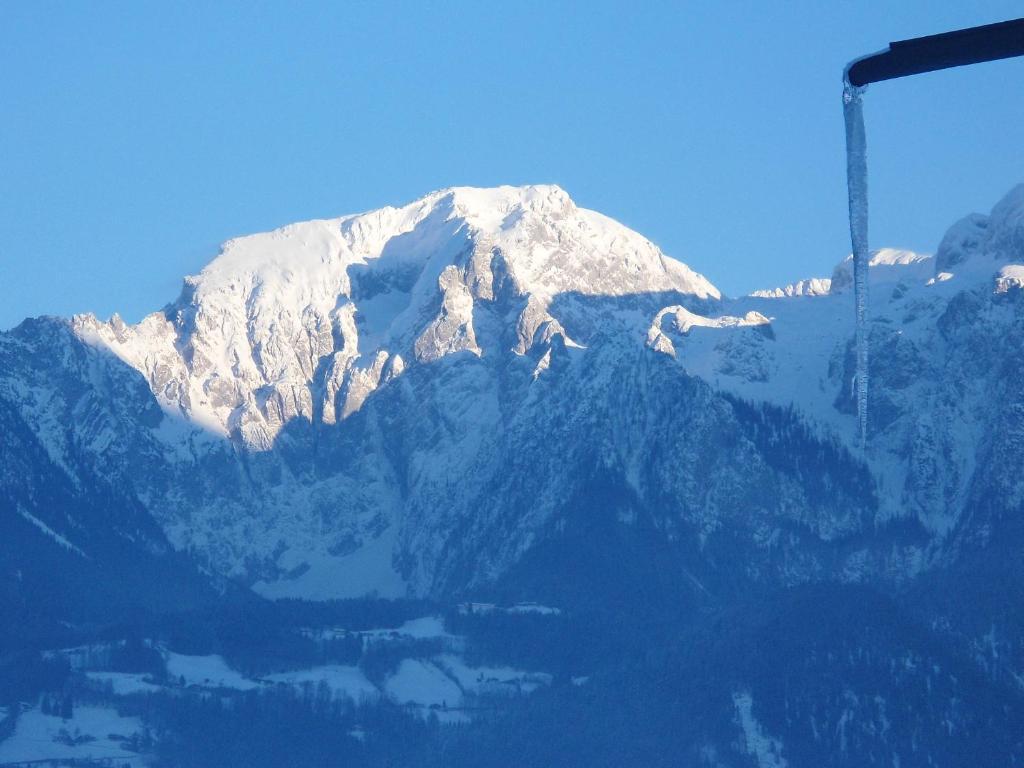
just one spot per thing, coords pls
(918, 345)
(886, 265)
(681, 321)
(814, 286)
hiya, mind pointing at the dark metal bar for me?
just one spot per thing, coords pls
(951, 49)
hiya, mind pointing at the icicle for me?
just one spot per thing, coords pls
(857, 188)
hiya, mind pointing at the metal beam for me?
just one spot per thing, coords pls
(950, 49)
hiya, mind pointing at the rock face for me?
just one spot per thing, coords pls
(413, 400)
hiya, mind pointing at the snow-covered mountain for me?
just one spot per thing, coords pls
(496, 395)
(308, 320)
(429, 399)
(268, 353)
(945, 340)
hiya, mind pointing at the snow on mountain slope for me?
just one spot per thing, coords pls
(943, 331)
(286, 334)
(416, 399)
(306, 321)
(888, 265)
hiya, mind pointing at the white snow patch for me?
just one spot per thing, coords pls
(887, 265)
(50, 532)
(124, 683)
(423, 683)
(940, 278)
(366, 571)
(766, 749)
(426, 627)
(206, 672)
(682, 321)
(1009, 277)
(39, 737)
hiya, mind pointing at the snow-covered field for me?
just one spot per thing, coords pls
(91, 733)
(124, 683)
(422, 682)
(206, 672)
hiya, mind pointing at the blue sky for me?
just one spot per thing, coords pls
(138, 136)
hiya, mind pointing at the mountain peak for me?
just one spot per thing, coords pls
(887, 265)
(487, 202)
(307, 320)
(550, 245)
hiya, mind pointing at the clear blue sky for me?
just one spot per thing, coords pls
(135, 137)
